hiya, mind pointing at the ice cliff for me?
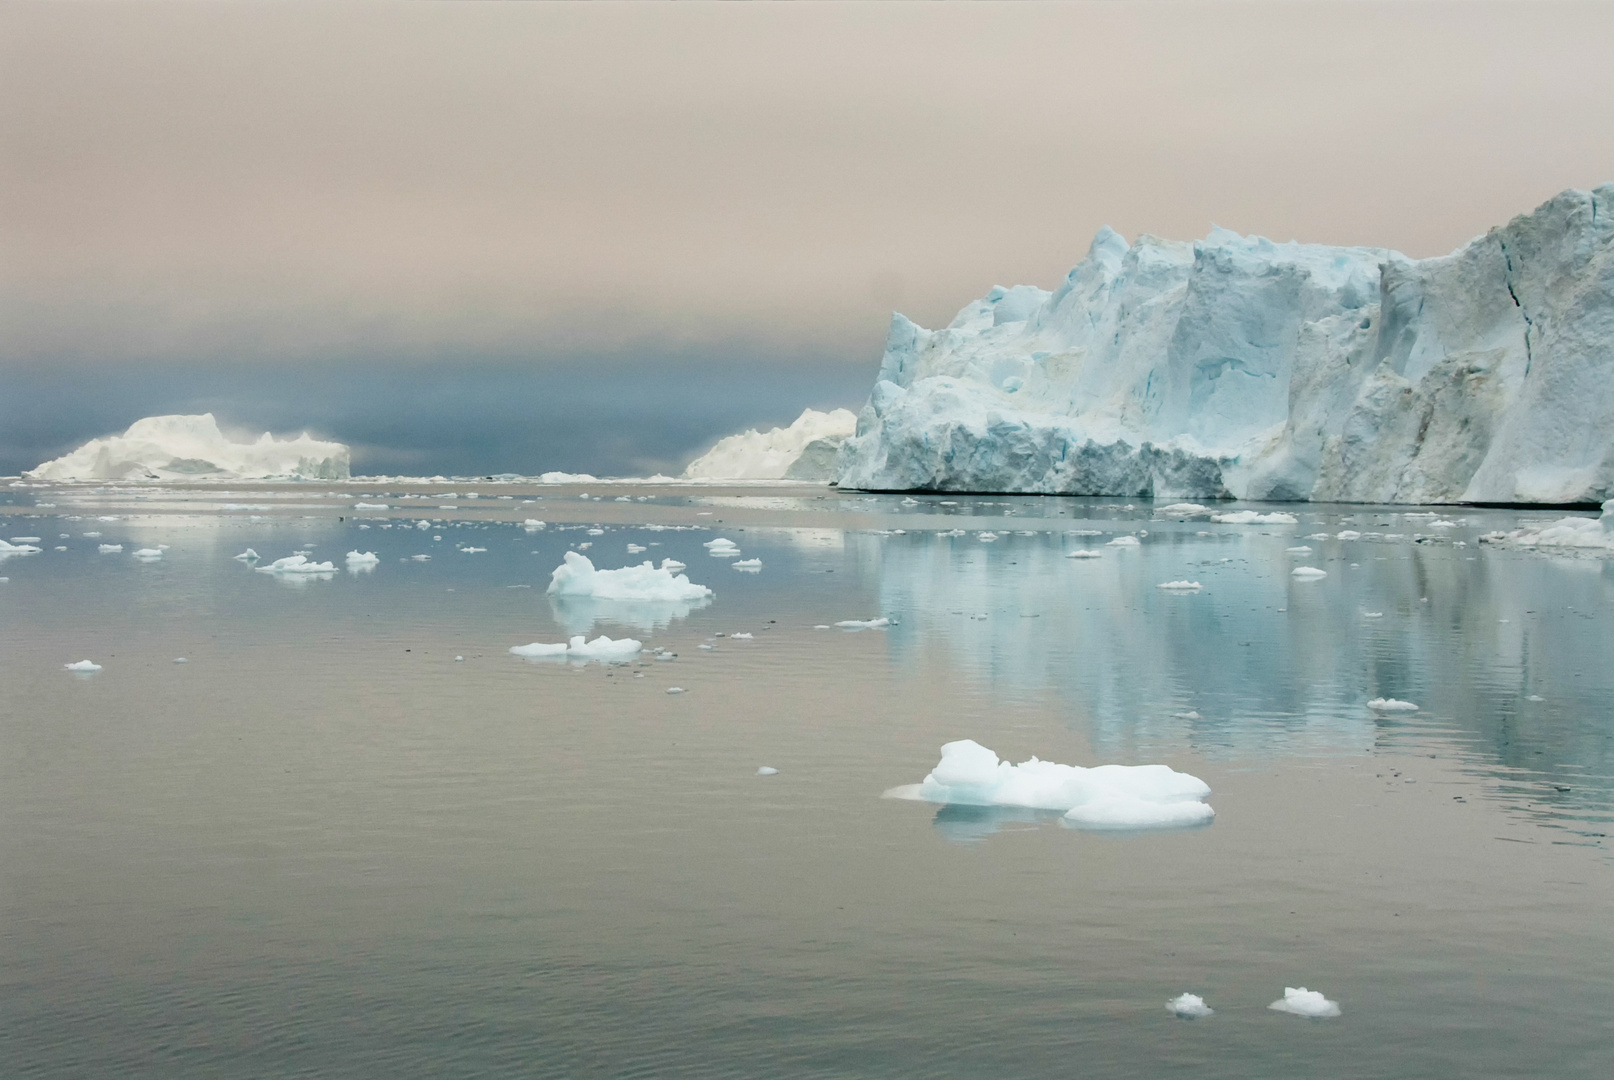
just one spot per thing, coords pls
(1238, 367)
(191, 447)
(806, 450)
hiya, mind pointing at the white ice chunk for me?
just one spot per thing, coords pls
(370, 506)
(109, 549)
(148, 554)
(767, 770)
(538, 648)
(1182, 509)
(1303, 549)
(635, 549)
(806, 450)
(25, 539)
(533, 525)
(1347, 534)
(1084, 554)
(1102, 797)
(293, 565)
(1308, 573)
(1180, 586)
(83, 665)
(1189, 1007)
(1251, 517)
(673, 566)
(747, 564)
(1580, 534)
(645, 582)
(863, 624)
(1302, 1002)
(8, 550)
(362, 558)
(1381, 704)
(247, 556)
(1124, 541)
(601, 648)
(719, 544)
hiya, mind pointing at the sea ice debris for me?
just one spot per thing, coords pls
(1251, 517)
(576, 576)
(1084, 554)
(1124, 541)
(1308, 573)
(767, 770)
(247, 556)
(293, 565)
(1380, 704)
(362, 558)
(1179, 586)
(83, 665)
(1299, 1001)
(863, 624)
(1189, 1007)
(747, 564)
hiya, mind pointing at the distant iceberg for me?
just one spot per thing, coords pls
(193, 447)
(1103, 797)
(1237, 367)
(576, 576)
(809, 449)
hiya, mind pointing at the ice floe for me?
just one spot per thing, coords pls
(8, 550)
(362, 558)
(109, 549)
(1381, 704)
(1125, 541)
(1251, 517)
(148, 554)
(1299, 1001)
(601, 648)
(863, 624)
(247, 556)
(767, 770)
(1577, 534)
(576, 576)
(1102, 797)
(1182, 509)
(83, 665)
(295, 565)
(1308, 573)
(747, 564)
(1189, 1007)
(1084, 554)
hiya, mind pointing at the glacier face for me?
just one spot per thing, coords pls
(808, 449)
(1236, 367)
(193, 447)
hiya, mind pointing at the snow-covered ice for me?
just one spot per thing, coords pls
(1235, 366)
(83, 665)
(148, 554)
(806, 450)
(576, 576)
(1380, 704)
(247, 556)
(1102, 797)
(362, 558)
(294, 565)
(1308, 573)
(1182, 509)
(1189, 1007)
(1302, 1002)
(578, 648)
(747, 564)
(192, 447)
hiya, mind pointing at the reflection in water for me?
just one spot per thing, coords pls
(972, 824)
(579, 614)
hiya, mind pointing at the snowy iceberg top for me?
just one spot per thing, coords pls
(576, 576)
(191, 447)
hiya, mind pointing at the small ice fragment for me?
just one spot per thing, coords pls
(986, 537)
(1124, 541)
(109, 549)
(576, 576)
(596, 532)
(1535, 697)
(1084, 554)
(673, 566)
(1180, 586)
(747, 564)
(148, 554)
(471, 550)
(369, 506)
(1183, 509)
(420, 558)
(634, 549)
(362, 558)
(1251, 517)
(721, 543)
(90, 535)
(1347, 534)
(1189, 1007)
(910, 502)
(83, 665)
(532, 525)
(1191, 714)
(180, 660)
(1372, 614)
(1301, 550)
(1308, 573)
(1390, 704)
(538, 648)
(863, 624)
(741, 637)
(297, 564)
(675, 689)
(1302, 1002)
(25, 539)
(767, 770)
(459, 659)
(1443, 524)
(821, 626)
(707, 646)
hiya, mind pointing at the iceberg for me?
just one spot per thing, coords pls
(601, 648)
(576, 576)
(1235, 367)
(7, 550)
(1299, 1001)
(1102, 797)
(192, 447)
(362, 558)
(294, 565)
(83, 665)
(1189, 1007)
(809, 449)
(1577, 534)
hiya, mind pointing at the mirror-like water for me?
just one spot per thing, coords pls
(352, 836)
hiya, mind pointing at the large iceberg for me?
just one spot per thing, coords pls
(189, 447)
(1238, 367)
(809, 449)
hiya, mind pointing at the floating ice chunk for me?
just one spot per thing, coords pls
(533, 525)
(1443, 524)
(471, 550)
(180, 660)
(596, 532)
(673, 689)
(420, 558)
(909, 501)
(767, 770)
(863, 624)
(986, 537)
(1581, 534)
(1180, 586)
(742, 637)
(148, 554)
(1299, 1001)
(370, 506)
(293, 565)
(806, 450)
(83, 665)
(1383, 704)
(1372, 614)
(362, 558)
(1124, 541)
(1251, 517)
(1182, 509)
(25, 539)
(1103, 797)
(459, 659)
(720, 543)
(673, 566)
(1308, 573)
(635, 549)
(1191, 714)
(1084, 554)
(577, 577)
(747, 564)
(7, 550)
(1347, 534)
(538, 648)
(1189, 1007)
(1535, 697)
(1303, 549)
(185, 447)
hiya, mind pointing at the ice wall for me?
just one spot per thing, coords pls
(192, 447)
(1237, 367)
(806, 450)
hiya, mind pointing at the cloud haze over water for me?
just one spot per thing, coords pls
(374, 198)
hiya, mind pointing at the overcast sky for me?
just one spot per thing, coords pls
(203, 203)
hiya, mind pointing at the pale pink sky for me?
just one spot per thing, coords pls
(194, 180)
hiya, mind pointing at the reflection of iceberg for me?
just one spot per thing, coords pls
(1102, 797)
(964, 824)
(579, 614)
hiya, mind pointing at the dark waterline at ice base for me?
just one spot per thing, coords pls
(352, 835)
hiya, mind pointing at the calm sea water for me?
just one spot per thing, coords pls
(325, 846)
